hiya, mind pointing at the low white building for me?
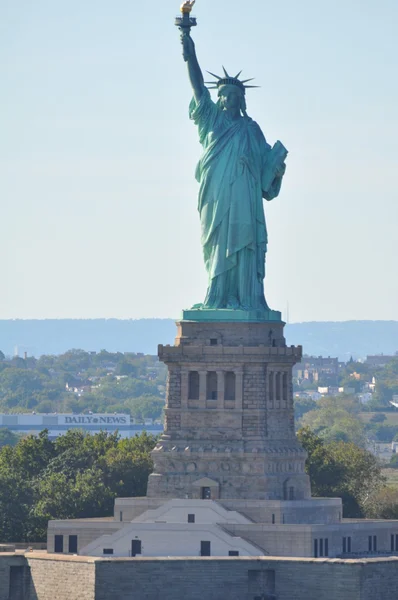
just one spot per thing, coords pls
(177, 528)
(191, 527)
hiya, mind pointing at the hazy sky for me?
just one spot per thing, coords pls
(97, 154)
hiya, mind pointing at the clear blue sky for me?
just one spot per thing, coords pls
(97, 154)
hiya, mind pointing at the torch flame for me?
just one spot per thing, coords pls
(187, 6)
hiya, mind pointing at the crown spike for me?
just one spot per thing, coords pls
(213, 75)
(236, 76)
(247, 80)
(226, 74)
(252, 86)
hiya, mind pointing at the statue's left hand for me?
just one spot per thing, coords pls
(188, 46)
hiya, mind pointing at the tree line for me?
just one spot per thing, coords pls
(75, 476)
(79, 381)
(79, 475)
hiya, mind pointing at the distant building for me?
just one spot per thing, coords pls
(313, 368)
(308, 394)
(59, 424)
(330, 390)
(365, 397)
(380, 360)
(348, 391)
(382, 450)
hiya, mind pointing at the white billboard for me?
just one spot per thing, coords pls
(98, 420)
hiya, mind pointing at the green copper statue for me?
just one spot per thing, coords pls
(236, 171)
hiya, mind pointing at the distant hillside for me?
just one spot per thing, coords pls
(345, 339)
(357, 338)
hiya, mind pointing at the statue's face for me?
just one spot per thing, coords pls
(230, 98)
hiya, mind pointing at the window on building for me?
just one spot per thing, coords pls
(396, 543)
(392, 543)
(230, 386)
(372, 543)
(193, 385)
(285, 388)
(321, 547)
(206, 493)
(326, 547)
(135, 547)
(291, 493)
(72, 547)
(191, 518)
(316, 548)
(107, 551)
(205, 549)
(58, 543)
(271, 387)
(213, 342)
(346, 545)
(278, 387)
(121, 515)
(273, 519)
(233, 553)
(211, 380)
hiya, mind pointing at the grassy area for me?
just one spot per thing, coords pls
(392, 477)
(391, 417)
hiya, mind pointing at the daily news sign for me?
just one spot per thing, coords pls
(99, 420)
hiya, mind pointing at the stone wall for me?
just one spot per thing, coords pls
(81, 578)
(61, 578)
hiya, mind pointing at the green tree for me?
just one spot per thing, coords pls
(8, 438)
(146, 407)
(77, 476)
(378, 418)
(383, 504)
(337, 419)
(19, 386)
(62, 497)
(344, 470)
(32, 454)
(303, 406)
(394, 461)
(16, 498)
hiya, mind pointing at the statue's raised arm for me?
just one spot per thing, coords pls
(195, 74)
(194, 70)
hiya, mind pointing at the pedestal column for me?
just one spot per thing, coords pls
(203, 387)
(220, 389)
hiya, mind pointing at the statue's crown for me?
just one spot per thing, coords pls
(228, 80)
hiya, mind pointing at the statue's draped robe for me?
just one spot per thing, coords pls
(232, 173)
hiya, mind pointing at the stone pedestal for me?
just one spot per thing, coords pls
(229, 419)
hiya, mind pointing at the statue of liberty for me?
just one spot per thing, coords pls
(238, 168)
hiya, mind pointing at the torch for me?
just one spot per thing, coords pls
(186, 21)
